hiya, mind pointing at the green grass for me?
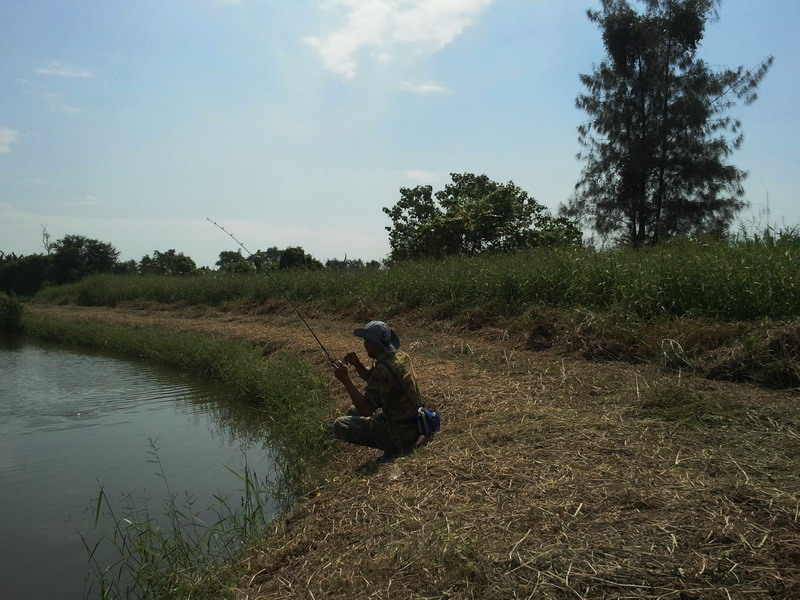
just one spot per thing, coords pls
(728, 309)
(11, 312)
(745, 279)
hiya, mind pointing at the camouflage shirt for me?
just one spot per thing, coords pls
(392, 387)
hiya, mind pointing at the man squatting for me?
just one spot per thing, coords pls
(385, 415)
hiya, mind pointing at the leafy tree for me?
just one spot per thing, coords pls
(75, 256)
(266, 259)
(351, 264)
(167, 263)
(348, 264)
(659, 132)
(68, 260)
(129, 267)
(471, 215)
(11, 311)
(23, 275)
(232, 261)
(294, 257)
(418, 229)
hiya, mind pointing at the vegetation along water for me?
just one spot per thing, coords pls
(191, 540)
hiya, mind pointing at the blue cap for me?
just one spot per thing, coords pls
(379, 333)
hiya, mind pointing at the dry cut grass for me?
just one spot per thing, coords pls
(556, 478)
(553, 477)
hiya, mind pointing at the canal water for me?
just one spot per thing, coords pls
(73, 422)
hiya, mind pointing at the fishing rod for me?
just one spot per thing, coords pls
(277, 285)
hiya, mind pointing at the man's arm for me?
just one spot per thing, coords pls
(342, 374)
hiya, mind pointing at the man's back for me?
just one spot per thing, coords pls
(393, 387)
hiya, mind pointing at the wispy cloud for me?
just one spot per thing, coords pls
(423, 88)
(388, 27)
(58, 69)
(7, 137)
(57, 104)
(87, 201)
(424, 177)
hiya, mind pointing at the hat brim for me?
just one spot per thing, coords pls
(394, 344)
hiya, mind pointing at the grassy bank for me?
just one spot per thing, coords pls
(725, 310)
(553, 477)
(748, 279)
(200, 561)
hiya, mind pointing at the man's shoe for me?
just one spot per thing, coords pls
(388, 456)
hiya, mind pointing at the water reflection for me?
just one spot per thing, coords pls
(72, 421)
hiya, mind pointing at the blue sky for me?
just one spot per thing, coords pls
(294, 123)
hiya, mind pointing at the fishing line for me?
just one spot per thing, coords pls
(277, 285)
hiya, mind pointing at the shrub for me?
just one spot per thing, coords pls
(10, 314)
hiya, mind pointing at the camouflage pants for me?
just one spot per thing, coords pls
(373, 432)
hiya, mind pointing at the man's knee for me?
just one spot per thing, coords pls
(351, 429)
(343, 426)
(359, 431)
(340, 428)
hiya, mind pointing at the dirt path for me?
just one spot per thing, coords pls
(552, 477)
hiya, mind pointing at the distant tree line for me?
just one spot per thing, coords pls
(66, 260)
(74, 256)
(292, 257)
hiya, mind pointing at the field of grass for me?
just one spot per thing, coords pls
(725, 309)
(742, 280)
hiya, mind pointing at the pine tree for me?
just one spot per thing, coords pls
(659, 134)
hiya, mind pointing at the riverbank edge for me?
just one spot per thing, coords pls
(274, 381)
(553, 477)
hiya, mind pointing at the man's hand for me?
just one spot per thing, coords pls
(340, 371)
(351, 358)
(342, 374)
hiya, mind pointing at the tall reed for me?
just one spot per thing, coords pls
(743, 279)
(176, 553)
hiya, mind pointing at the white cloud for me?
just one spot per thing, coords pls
(57, 69)
(392, 26)
(57, 104)
(7, 137)
(423, 88)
